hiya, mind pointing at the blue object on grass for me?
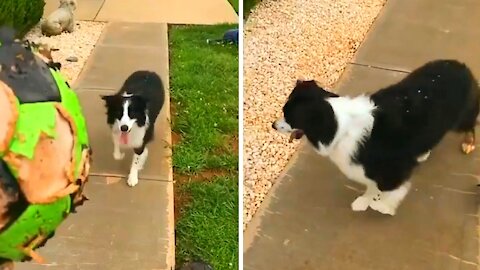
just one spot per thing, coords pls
(231, 36)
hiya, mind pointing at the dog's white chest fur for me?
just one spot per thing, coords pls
(355, 122)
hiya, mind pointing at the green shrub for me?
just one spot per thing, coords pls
(248, 5)
(21, 14)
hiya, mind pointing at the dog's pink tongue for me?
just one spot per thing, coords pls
(124, 138)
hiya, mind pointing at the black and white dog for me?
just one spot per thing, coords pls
(131, 114)
(377, 140)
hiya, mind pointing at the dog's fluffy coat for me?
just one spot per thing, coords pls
(378, 140)
(131, 114)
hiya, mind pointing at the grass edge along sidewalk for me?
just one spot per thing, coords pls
(204, 90)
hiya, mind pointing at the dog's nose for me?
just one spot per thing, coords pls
(273, 125)
(124, 128)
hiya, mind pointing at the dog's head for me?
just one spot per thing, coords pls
(307, 112)
(126, 111)
(70, 4)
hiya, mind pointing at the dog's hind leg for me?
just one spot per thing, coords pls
(468, 122)
(423, 157)
(468, 144)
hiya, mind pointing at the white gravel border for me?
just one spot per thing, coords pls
(285, 40)
(78, 44)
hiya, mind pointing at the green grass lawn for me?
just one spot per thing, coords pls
(248, 5)
(234, 4)
(204, 92)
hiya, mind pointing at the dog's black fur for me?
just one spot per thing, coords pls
(148, 97)
(308, 111)
(411, 118)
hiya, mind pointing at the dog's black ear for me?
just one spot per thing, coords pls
(107, 98)
(306, 83)
(330, 94)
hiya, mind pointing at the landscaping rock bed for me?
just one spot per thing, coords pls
(73, 48)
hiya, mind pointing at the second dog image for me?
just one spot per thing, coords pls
(360, 123)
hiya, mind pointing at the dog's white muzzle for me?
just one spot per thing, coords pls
(282, 126)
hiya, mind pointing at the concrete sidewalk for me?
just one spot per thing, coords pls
(306, 221)
(120, 227)
(156, 11)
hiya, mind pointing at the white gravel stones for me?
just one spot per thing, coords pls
(78, 44)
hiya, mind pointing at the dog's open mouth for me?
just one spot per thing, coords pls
(297, 134)
(124, 137)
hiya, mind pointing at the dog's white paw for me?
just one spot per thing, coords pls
(118, 155)
(423, 157)
(132, 180)
(361, 203)
(382, 207)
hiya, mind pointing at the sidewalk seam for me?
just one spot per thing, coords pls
(127, 46)
(124, 176)
(98, 12)
(379, 67)
(96, 89)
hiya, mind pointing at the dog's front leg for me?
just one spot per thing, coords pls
(361, 203)
(143, 157)
(117, 154)
(138, 161)
(387, 202)
(133, 175)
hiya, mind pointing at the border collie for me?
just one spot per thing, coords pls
(377, 140)
(131, 115)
